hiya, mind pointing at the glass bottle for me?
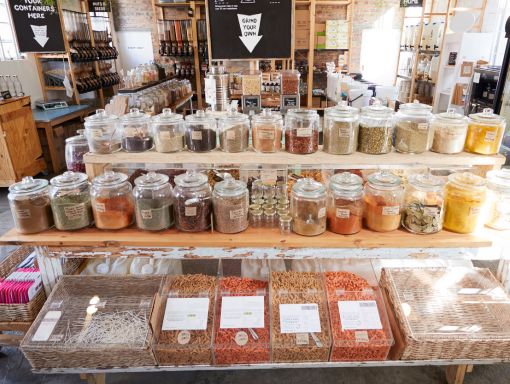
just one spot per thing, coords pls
(341, 125)
(485, 132)
(76, 147)
(200, 132)
(308, 207)
(230, 200)
(256, 218)
(412, 131)
(102, 133)
(449, 130)
(302, 131)
(285, 222)
(234, 132)
(168, 131)
(135, 131)
(345, 203)
(267, 130)
(498, 199)
(376, 127)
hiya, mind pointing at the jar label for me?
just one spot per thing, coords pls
(304, 132)
(265, 134)
(343, 213)
(196, 135)
(231, 135)
(190, 211)
(473, 211)
(391, 210)
(302, 339)
(430, 211)
(237, 214)
(241, 338)
(423, 126)
(183, 337)
(23, 213)
(100, 207)
(344, 132)
(130, 132)
(361, 336)
(146, 214)
(75, 212)
(490, 136)
(322, 212)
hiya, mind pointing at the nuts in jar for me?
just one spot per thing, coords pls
(375, 129)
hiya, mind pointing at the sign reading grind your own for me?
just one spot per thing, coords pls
(37, 26)
(250, 29)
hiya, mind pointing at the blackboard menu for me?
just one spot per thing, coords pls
(410, 3)
(250, 29)
(99, 6)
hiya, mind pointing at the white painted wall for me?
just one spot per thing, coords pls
(26, 70)
(135, 47)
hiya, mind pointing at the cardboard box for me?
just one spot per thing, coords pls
(302, 39)
(337, 34)
(302, 19)
(320, 29)
(320, 42)
(316, 102)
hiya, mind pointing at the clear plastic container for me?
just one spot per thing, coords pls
(136, 135)
(485, 132)
(168, 131)
(413, 133)
(76, 147)
(302, 131)
(345, 203)
(200, 132)
(252, 82)
(290, 82)
(498, 199)
(30, 205)
(102, 132)
(70, 201)
(308, 207)
(112, 201)
(341, 125)
(192, 202)
(230, 206)
(234, 132)
(450, 130)
(376, 126)
(154, 209)
(267, 128)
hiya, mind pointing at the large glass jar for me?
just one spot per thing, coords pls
(112, 201)
(70, 201)
(383, 201)
(230, 205)
(192, 202)
(450, 130)
(485, 132)
(135, 131)
(308, 207)
(498, 199)
(290, 82)
(267, 130)
(154, 210)
(234, 131)
(412, 131)
(29, 201)
(423, 204)
(345, 203)
(375, 129)
(76, 147)
(302, 131)
(200, 132)
(168, 131)
(341, 125)
(102, 132)
(252, 81)
(465, 195)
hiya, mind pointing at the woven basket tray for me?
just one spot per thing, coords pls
(19, 312)
(447, 313)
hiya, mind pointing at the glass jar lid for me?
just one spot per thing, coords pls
(308, 188)
(377, 110)
(135, 116)
(267, 116)
(199, 118)
(499, 180)
(230, 187)
(78, 139)
(100, 118)
(346, 182)
(216, 70)
(151, 180)
(290, 72)
(166, 117)
(426, 182)
(342, 110)
(467, 180)
(109, 179)
(487, 116)
(303, 114)
(451, 117)
(415, 108)
(69, 180)
(28, 185)
(384, 180)
(234, 117)
(190, 179)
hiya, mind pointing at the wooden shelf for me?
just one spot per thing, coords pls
(184, 4)
(54, 88)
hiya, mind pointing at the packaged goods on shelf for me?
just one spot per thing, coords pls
(94, 322)
(252, 83)
(308, 207)
(447, 313)
(192, 202)
(200, 132)
(230, 202)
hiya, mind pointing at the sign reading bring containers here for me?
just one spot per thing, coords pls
(250, 29)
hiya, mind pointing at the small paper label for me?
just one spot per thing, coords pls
(196, 135)
(23, 213)
(186, 314)
(344, 132)
(343, 213)
(304, 132)
(183, 337)
(299, 318)
(237, 214)
(265, 134)
(473, 211)
(430, 211)
(490, 136)
(146, 214)
(322, 212)
(100, 207)
(361, 336)
(391, 210)
(190, 211)
(476, 77)
(47, 326)
(210, 90)
(423, 126)
(75, 212)
(130, 132)
(359, 315)
(241, 338)
(231, 135)
(242, 312)
(302, 339)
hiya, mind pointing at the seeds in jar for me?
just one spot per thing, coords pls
(200, 139)
(375, 140)
(154, 214)
(193, 215)
(139, 143)
(167, 141)
(340, 138)
(231, 214)
(32, 215)
(412, 137)
(72, 211)
(235, 139)
(301, 140)
(251, 84)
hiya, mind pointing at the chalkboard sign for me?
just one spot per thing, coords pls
(250, 103)
(99, 6)
(37, 26)
(410, 3)
(250, 29)
(289, 102)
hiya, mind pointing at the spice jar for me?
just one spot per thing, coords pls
(76, 147)
(70, 201)
(383, 201)
(345, 203)
(341, 125)
(135, 131)
(290, 82)
(168, 131)
(154, 209)
(230, 206)
(423, 204)
(200, 132)
(412, 132)
(464, 197)
(450, 130)
(102, 133)
(498, 199)
(192, 202)
(485, 132)
(112, 201)
(30, 205)
(308, 207)
(375, 129)
(302, 131)
(267, 130)
(234, 131)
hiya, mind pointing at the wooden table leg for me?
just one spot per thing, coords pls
(55, 164)
(455, 374)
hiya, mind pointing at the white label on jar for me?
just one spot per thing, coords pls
(265, 134)
(237, 214)
(361, 336)
(391, 210)
(242, 312)
(359, 315)
(344, 132)
(95, 133)
(473, 211)
(299, 318)
(430, 211)
(146, 214)
(23, 214)
(231, 135)
(490, 136)
(268, 176)
(196, 135)
(190, 211)
(75, 212)
(188, 313)
(241, 338)
(302, 339)
(423, 126)
(100, 207)
(183, 337)
(343, 213)
(130, 132)
(322, 212)
(304, 132)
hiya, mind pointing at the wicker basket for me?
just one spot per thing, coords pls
(19, 312)
(447, 313)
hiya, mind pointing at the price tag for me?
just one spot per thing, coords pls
(242, 312)
(237, 214)
(196, 135)
(183, 337)
(302, 339)
(186, 314)
(299, 318)
(264, 134)
(423, 126)
(304, 132)
(146, 214)
(75, 212)
(391, 210)
(343, 213)
(241, 338)
(361, 336)
(47, 326)
(190, 211)
(23, 213)
(100, 207)
(359, 315)
(490, 136)
(344, 132)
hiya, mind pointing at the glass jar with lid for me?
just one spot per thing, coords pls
(167, 129)
(112, 201)
(200, 132)
(465, 195)
(135, 131)
(498, 199)
(76, 147)
(192, 202)
(267, 130)
(302, 131)
(449, 130)
(423, 204)
(230, 205)
(376, 126)
(234, 132)
(383, 201)
(70, 201)
(102, 133)
(308, 207)
(30, 205)
(412, 130)
(485, 132)
(341, 125)
(289, 82)
(154, 209)
(345, 203)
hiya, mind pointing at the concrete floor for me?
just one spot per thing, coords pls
(14, 368)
